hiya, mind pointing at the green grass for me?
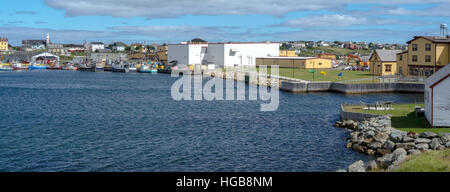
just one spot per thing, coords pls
(403, 118)
(331, 74)
(432, 161)
(309, 52)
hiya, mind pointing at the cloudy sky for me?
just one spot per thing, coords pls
(171, 21)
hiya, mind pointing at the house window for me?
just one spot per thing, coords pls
(320, 63)
(427, 58)
(387, 68)
(414, 58)
(414, 47)
(427, 47)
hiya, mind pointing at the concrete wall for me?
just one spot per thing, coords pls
(301, 87)
(345, 115)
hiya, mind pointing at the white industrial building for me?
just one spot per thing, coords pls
(221, 54)
(437, 98)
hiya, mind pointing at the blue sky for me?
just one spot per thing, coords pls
(171, 21)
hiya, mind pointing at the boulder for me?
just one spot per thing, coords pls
(435, 143)
(370, 152)
(358, 147)
(396, 137)
(371, 165)
(407, 139)
(381, 137)
(367, 141)
(447, 144)
(422, 140)
(356, 167)
(385, 161)
(383, 151)
(406, 146)
(428, 135)
(389, 145)
(399, 155)
(370, 133)
(348, 145)
(445, 137)
(375, 145)
(413, 151)
(412, 134)
(422, 146)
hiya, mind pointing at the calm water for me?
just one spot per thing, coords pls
(74, 121)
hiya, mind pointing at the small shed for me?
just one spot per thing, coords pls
(437, 98)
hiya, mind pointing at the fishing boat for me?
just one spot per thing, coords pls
(5, 67)
(121, 68)
(132, 68)
(147, 69)
(37, 67)
(20, 66)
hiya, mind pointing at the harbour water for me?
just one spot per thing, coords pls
(75, 121)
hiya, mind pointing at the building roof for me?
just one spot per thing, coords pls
(3, 39)
(119, 44)
(387, 55)
(34, 42)
(299, 58)
(97, 43)
(438, 76)
(434, 39)
(403, 52)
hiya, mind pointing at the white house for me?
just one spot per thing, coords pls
(94, 46)
(437, 98)
(222, 54)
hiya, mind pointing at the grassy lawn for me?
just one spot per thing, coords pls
(432, 161)
(309, 52)
(403, 118)
(331, 74)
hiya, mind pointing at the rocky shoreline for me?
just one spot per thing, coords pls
(375, 136)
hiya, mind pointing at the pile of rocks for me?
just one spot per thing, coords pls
(376, 137)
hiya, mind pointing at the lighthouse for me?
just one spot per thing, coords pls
(48, 39)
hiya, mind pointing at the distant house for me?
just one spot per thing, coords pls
(73, 48)
(118, 46)
(34, 44)
(437, 98)
(94, 46)
(384, 62)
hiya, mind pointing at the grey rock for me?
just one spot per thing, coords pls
(341, 170)
(356, 167)
(389, 145)
(445, 137)
(406, 146)
(447, 144)
(381, 137)
(435, 143)
(375, 145)
(383, 151)
(399, 155)
(422, 140)
(385, 161)
(371, 165)
(422, 146)
(396, 137)
(413, 152)
(370, 133)
(407, 139)
(428, 135)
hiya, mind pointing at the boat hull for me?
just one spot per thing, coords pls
(20, 68)
(6, 69)
(118, 70)
(87, 69)
(37, 67)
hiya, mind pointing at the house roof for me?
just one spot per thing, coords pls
(434, 39)
(387, 55)
(121, 44)
(97, 43)
(437, 77)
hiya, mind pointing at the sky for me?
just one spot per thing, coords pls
(173, 21)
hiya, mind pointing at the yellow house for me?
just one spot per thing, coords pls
(3, 44)
(327, 56)
(295, 62)
(383, 62)
(287, 53)
(427, 54)
(161, 52)
(402, 63)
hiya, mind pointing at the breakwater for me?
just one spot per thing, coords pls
(375, 136)
(305, 87)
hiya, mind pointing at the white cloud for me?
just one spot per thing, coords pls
(325, 21)
(174, 8)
